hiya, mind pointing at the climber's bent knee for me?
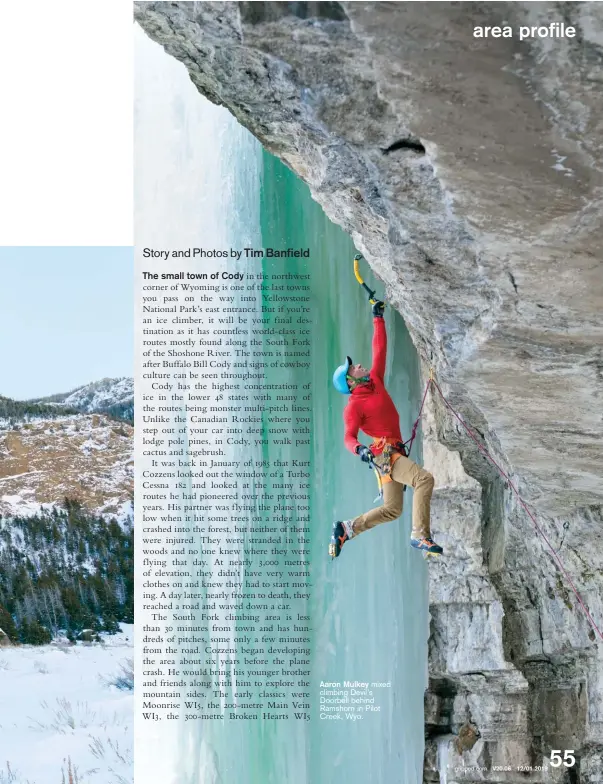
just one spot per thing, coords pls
(426, 480)
(391, 512)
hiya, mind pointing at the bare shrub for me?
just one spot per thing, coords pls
(10, 776)
(65, 716)
(123, 679)
(109, 751)
(69, 773)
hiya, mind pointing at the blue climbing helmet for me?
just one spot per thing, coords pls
(340, 381)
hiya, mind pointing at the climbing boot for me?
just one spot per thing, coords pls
(342, 531)
(426, 544)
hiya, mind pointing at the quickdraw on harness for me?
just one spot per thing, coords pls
(387, 451)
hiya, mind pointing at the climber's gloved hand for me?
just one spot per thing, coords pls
(378, 309)
(364, 453)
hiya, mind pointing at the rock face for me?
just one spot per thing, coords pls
(469, 173)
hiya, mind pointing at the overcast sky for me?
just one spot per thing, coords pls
(66, 318)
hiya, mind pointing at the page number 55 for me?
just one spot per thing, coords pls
(568, 758)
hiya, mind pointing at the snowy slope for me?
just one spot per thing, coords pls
(109, 395)
(56, 702)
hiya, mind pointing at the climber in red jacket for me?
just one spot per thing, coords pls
(371, 409)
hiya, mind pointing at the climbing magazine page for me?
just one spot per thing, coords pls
(301, 370)
(300, 461)
(368, 360)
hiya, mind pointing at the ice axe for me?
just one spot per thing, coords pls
(370, 292)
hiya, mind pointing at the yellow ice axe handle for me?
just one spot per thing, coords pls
(371, 293)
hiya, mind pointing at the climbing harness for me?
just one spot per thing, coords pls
(387, 450)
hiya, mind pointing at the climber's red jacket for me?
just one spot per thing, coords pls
(370, 408)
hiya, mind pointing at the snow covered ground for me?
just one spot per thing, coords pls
(58, 703)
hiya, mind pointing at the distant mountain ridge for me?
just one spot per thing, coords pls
(23, 410)
(112, 396)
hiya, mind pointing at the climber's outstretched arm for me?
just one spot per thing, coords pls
(379, 345)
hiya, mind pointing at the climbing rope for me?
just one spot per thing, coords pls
(418, 419)
(431, 381)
